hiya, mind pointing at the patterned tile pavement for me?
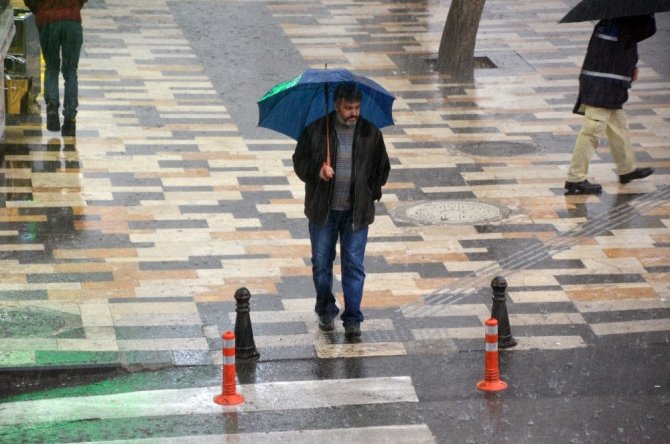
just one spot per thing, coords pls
(126, 245)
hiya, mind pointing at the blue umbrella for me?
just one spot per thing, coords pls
(292, 105)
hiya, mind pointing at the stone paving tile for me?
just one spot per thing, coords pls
(131, 240)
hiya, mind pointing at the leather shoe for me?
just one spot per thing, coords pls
(637, 173)
(352, 331)
(69, 127)
(53, 122)
(326, 323)
(583, 187)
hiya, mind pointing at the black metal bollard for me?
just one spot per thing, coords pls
(499, 312)
(245, 348)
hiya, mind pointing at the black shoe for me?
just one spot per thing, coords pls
(326, 323)
(69, 127)
(637, 173)
(583, 187)
(53, 122)
(352, 332)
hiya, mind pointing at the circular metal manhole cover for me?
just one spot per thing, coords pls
(450, 212)
(497, 148)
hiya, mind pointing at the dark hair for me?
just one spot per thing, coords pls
(348, 92)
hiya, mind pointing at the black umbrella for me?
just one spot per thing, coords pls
(587, 10)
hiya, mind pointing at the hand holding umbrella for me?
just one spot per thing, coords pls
(327, 172)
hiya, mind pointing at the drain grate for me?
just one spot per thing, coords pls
(449, 212)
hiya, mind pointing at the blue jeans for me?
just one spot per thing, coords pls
(61, 39)
(352, 246)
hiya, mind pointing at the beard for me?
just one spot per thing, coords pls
(349, 121)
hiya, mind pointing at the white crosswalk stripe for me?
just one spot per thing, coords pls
(190, 401)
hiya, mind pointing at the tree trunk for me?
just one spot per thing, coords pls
(456, 56)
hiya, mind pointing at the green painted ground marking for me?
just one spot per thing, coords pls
(173, 378)
(36, 322)
(17, 358)
(120, 429)
(49, 357)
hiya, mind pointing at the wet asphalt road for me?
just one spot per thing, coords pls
(614, 393)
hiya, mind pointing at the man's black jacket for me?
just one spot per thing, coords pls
(370, 169)
(610, 61)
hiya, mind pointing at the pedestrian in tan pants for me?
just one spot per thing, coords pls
(608, 71)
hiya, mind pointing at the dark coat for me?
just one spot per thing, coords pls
(610, 61)
(370, 169)
(51, 11)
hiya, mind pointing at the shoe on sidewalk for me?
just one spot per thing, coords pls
(326, 323)
(69, 127)
(352, 332)
(637, 173)
(53, 122)
(583, 187)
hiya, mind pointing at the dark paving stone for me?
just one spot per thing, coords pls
(150, 150)
(166, 224)
(278, 328)
(515, 228)
(535, 331)
(296, 287)
(497, 149)
(485, 182)
(264, 197)
(538, 288)
(125, 179)
(23, 295)
(158, 332)
(543, 308)
(144, 300)
(263, 180)
(394, 239)
(626, 315)
(589, 279)
(442, 322)
(188, 189)
(195, 164)
(35, 278)
(378, 264)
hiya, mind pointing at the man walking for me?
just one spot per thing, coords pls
(339, 201)
(61, 37)
(607, 73)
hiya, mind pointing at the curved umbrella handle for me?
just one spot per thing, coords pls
(326, 96)
(327, 140)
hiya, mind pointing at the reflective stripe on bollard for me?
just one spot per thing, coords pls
(228, 394)
(491, 382)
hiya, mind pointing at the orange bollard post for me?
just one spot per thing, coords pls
(228, 394)
(492, 381)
